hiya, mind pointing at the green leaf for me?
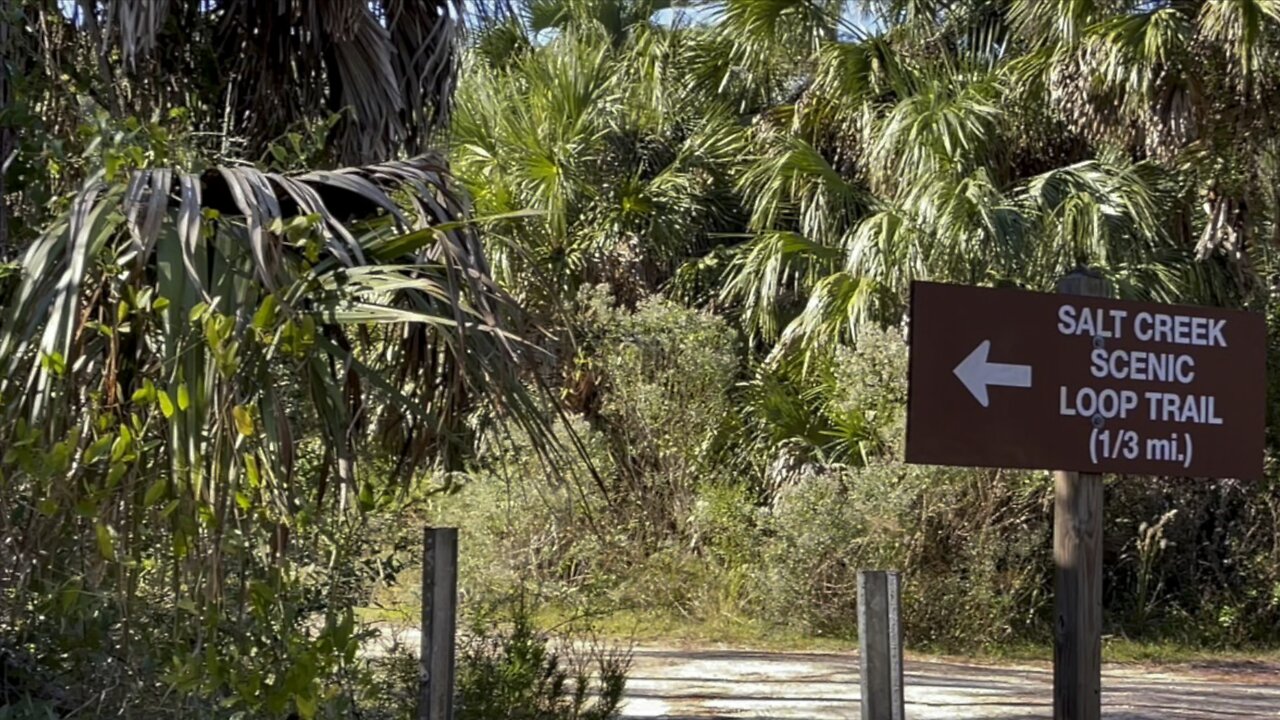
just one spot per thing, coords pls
(53, 363)
(181, 545)
(156, 492)
(70, 595)
(122, 445)
(106, 543)
(307, 704)
(146, 394)
(98, 448)
(184, 397)
(166, 404)
(251, 469)
(198, 312)
(243, 419)
(116, 472)
(113, 164)
(103, 329)
(265, 317)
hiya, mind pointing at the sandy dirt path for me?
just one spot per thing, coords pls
(688, 684)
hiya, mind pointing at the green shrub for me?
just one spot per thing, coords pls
(515, 673)
(842, 408)
(505, 669)
(285, 644)
(1193, 561)
(725, 522)
(521, 523)
(109, 629)
(973, 546)
(870, 380)
(678, 523)
(665, 373)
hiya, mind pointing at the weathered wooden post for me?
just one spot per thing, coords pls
(1077, 558)
(439, 608)
(880, 644)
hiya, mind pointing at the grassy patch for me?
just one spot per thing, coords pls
(1123, 651)
(651, 628)
(656, 628)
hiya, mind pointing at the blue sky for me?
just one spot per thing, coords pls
(852, 11)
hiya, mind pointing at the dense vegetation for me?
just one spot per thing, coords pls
(628, 307)
(733, 201)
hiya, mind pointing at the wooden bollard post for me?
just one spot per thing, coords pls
(880, 644)
(439, 623)
(1077, 558)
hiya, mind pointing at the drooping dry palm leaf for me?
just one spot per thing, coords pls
(268, 302)
(388, 66)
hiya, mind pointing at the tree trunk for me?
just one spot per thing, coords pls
(6, 252)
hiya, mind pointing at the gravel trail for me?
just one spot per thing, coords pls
(687, 684)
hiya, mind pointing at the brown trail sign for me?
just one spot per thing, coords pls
(1084, 384)
(1009, 378)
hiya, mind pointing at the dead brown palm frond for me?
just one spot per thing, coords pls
(425, 36)
(260, 68)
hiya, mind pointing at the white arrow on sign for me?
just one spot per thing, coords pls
(977, 374)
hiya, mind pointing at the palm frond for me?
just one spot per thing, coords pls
(1096, 212)
(247, 271)
(949, 123)
(770, 269)
(426, 38)
(1244, 28)
(793, 185)
(1049, 22)
(840, 305)
(388, 67)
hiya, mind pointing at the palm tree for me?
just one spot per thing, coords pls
(252, 77)
(202, 351)
(968, 143)
(380, 247)
(1190, 86)
(196, 364)
(627, 168)
(252, 70)
(238, 79)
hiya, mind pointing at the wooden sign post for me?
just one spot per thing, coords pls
(1077, 559)
(1086, 384)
